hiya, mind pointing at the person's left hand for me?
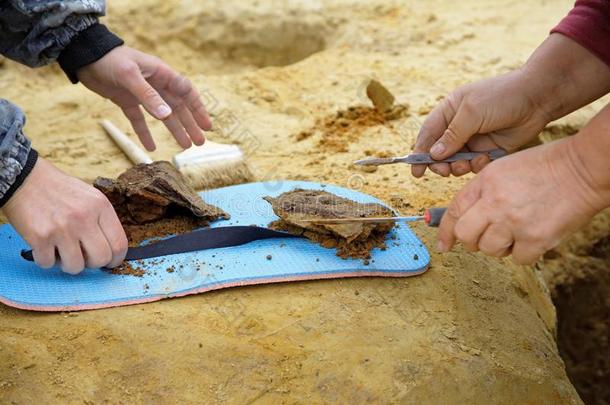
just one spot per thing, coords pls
(131, 78)
(523, 204)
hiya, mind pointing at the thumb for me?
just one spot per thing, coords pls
(464, 125)
(152, 101)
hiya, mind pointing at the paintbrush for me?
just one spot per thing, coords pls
(211, 165)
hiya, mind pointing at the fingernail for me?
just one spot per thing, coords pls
(440, 246)
(438, 149)
(163, 111)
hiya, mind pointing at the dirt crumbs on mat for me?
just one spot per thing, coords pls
(127, 269)
(352, 240)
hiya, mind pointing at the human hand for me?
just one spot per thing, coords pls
(523, 204)
(130, 78)
(494, 113)
(64, 219)
(510, 110)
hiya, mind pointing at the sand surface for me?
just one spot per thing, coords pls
(471, 330)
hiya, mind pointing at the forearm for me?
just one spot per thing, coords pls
(587, 152)
(17, 158)
(563, 76)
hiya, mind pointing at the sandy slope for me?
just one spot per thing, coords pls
(471, 329)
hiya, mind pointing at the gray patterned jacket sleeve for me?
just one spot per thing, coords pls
(34, 32)
(15, 151)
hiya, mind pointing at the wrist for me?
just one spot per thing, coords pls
(547, 93)
(587, 156)
(21, 178)
(88, 47)
(562, 76)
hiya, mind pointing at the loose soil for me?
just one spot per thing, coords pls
(355, 240)
(470, 329)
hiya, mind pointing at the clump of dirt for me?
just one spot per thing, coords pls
(346, 126)
(579, 281)
(136, 234)
(127, 269)
(352, 239)
(150, 192)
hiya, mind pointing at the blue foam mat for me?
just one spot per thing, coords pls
(24, 285)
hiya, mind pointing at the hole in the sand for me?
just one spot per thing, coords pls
(601, 249)
(265, 41)
(279, 45)
(583, 312)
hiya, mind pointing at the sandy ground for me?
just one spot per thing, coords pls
(473, 329)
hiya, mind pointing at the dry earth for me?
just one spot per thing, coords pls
(471, 330)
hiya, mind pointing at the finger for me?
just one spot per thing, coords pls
(182, 88)
(442, 169)
(460, 168)
(191, 126)
(478, 163)
(174, 126)
(115, 236)
(430, 131)
(462, 202)
(44, 256)
(134, 81)
(71, 256)
(496, 241)
(526, 253)
(138, 123)
(462, 127)
(472, 225)
(200, 114)
(481, 142)
(96, 249)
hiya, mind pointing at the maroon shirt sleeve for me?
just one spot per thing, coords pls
(588, 23)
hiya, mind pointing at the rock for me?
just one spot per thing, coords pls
(381, 97)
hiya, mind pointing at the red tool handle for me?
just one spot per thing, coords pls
(433, 216)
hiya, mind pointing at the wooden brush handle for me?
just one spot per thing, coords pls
(131, 150)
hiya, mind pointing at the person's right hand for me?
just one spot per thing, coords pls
(66, 221)
(494, 113)
(510, 110)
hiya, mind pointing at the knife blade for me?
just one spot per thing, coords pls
(365, 220)
(432, 217)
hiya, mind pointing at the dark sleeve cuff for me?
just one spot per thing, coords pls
(27, 169)
(588, 23)
(87, 47)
